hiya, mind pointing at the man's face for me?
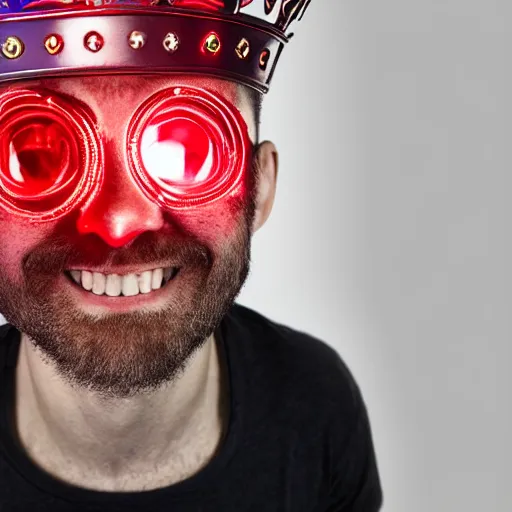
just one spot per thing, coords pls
(119, 346)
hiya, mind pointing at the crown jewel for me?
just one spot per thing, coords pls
(236, 39)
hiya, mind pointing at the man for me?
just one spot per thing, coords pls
(131, 182)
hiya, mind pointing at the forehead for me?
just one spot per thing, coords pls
(114, 98)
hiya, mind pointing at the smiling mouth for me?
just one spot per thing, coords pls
(128, 285)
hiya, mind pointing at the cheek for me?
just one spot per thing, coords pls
(17, 238)
(222, 221)
(217, 224)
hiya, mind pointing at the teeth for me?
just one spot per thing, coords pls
(86, 280)
(128, 285)
(156, 278)
(113, 285)
(145, 281)
(99, 283)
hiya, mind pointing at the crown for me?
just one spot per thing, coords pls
(240, 40)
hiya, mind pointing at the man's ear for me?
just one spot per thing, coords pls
(266, 165)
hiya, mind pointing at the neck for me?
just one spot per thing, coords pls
(120, 444)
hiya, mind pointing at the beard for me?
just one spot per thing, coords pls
(120, 355)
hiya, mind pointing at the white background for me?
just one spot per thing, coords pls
(390, 235)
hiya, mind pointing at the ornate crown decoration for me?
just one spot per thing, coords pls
(239, 40)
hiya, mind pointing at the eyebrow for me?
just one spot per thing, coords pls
(116, 85)
(122, 85)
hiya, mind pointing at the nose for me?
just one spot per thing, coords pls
(120, 211)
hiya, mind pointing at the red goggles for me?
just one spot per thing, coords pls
(185, 146)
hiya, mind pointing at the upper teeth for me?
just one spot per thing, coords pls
(114, 284)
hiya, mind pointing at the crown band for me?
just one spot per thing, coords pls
(127, 40)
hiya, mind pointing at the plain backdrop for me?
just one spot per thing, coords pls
(390, 234)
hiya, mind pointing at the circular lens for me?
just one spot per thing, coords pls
(43, 155)
(177, 151)
(49, 155)
(187, 147)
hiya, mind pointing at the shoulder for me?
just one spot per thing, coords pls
(294, 363)
(294, 349)
(304, 385)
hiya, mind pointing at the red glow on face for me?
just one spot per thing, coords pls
(188, 147)
(49, 155)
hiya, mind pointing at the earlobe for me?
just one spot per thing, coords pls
(267, 167)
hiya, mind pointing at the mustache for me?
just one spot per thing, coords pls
(58, 253)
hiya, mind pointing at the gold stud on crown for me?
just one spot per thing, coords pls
(137, 39)
(54, 44)
(212, 43)
(264, 58)
(93, 41)
(171, 42)
(12, 47)
(243, 48)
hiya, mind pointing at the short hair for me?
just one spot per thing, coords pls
(255, 99)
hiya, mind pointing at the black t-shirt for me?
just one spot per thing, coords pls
(298, 439)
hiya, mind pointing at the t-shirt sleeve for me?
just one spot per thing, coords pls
(354, 484)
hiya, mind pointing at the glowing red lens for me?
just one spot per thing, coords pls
(188, 147)
(177, 151)
(42, 155)
(49, 155)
